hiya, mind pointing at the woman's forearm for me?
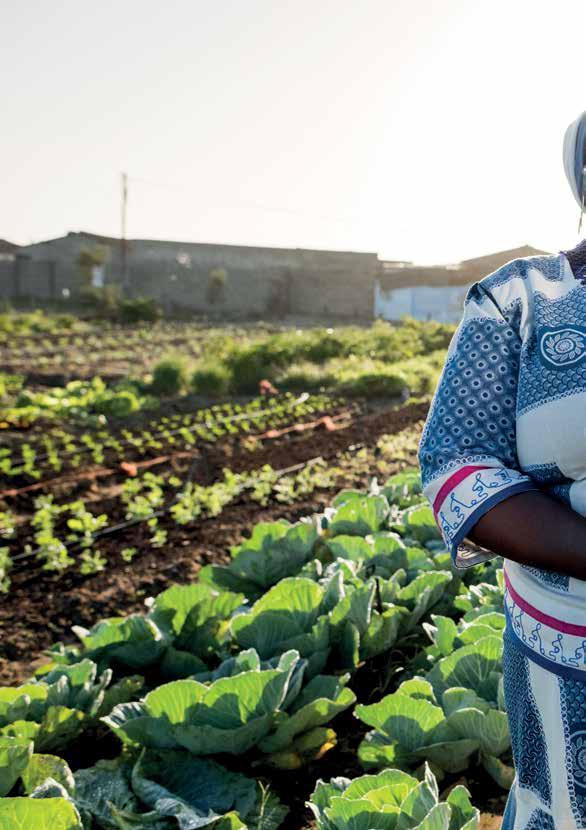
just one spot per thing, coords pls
(535, 529)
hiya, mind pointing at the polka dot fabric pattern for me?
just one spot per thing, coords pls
(527, 734)
(474, 410)
(512, 314)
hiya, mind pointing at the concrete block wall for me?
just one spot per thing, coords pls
(23, 278)
(177, 274)
(244, 292)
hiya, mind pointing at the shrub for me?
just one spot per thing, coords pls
(422, 373)
(169, 376)
(139, 309)
(378, 383)
(104, 301)
(306, 376)
(120, 404)
(211, 379)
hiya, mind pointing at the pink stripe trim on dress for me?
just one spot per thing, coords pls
(546, 619)
(452, 482)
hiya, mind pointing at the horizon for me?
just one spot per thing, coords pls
(306, 128)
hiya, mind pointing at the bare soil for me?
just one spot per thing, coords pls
(41, 607)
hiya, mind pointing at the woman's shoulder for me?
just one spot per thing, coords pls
(518, 278)
(537, 268)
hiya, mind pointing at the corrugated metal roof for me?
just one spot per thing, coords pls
(459, 273)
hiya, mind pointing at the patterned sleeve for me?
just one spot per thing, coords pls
(468, 452)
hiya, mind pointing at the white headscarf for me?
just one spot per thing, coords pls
(574, 158)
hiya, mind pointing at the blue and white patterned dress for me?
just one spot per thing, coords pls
(509, 415)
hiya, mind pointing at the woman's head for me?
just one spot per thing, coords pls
(575, 158)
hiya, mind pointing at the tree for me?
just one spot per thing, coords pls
(216, 285)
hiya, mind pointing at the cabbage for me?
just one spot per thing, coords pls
(391, 800)
(359, 516)
(450, 718)
(292, 615)
(230, 715)
(274, 551)
(51, 711)
(45, 814)
(15, 754)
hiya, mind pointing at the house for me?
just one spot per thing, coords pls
(435, 292)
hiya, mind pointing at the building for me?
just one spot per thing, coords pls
(435, 292)
(223, 280)
(243, 281)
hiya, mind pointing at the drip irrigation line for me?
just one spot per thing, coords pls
(108, 531)
(208, 424)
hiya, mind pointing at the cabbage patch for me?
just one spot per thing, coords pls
(171, 790)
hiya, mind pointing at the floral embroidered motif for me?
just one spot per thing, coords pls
(562, 347)
(579, 756)
(541, 380)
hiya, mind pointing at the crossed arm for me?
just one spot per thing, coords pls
(471, 433)
(534, 529)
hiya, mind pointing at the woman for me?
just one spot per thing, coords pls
(503, 458)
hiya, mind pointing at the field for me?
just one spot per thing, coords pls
(220, 585)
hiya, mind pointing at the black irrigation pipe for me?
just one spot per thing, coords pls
(108, 531)
(208, 424)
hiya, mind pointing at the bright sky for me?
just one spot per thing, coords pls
(420, 129)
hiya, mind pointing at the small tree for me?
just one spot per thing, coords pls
(90, 258)
(216, 285)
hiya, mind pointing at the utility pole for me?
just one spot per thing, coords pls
(123, 247)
